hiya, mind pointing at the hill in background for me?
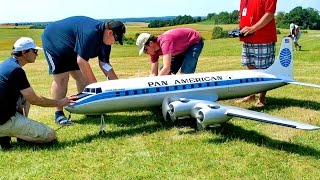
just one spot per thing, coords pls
(141, 19)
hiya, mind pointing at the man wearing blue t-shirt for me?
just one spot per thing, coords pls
(69, 44)
(16, 95)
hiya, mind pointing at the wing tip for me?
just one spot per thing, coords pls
(308, 127)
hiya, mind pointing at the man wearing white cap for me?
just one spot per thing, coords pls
(180, 48)
(295, 33)
(16, 95)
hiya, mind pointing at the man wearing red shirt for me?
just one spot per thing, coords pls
(258, 33)
(180, 48)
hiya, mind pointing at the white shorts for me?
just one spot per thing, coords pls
(297, 37)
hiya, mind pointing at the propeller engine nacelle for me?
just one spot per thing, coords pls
(182, 108)
(205, 112)
(212, 115)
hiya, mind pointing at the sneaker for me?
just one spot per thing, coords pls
(62, 120)
(5, 142)
(299, 48)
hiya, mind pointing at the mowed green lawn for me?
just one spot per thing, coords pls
(136, 146)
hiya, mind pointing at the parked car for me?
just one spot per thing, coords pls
(233, 33)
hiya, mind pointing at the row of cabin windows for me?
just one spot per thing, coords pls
(176, 87)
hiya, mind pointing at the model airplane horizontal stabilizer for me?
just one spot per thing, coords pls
(304, 84)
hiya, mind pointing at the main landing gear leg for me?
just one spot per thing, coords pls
(102, 126)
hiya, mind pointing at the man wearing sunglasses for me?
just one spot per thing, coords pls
(69, 44)
(180, 48)
(16, 95)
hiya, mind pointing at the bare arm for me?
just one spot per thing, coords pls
(166, 65)
(34, 99)
(110, 74)
(265, 19)
(154, 68)
(86, 70)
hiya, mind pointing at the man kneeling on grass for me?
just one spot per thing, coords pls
(16, 95)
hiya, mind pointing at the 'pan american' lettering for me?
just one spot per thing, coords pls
(185, 81)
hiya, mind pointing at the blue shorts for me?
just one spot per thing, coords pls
(59, 65)
(259, 55)
(187, 60)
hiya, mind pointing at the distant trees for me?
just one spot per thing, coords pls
(176, 21)
(128, 41)
(224, 17)
(306, 18)
(38, 26)
(218, 33)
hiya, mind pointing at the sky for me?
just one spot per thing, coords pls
(12, 11)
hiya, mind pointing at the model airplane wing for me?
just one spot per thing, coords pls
(261, 117)
(209, 113)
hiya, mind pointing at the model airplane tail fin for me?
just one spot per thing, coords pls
(283, 65)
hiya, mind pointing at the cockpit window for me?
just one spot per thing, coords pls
(92, 90)
(86, 90)
(98, 90)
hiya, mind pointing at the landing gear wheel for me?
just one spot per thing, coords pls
(199, 126)
(102, 133)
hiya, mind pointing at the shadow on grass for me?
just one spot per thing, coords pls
(229, 132)
(131, 119)
(279, 103)
(129, 126)
(152, 122)
(146, 129)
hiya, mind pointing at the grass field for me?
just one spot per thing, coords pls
(136, 146)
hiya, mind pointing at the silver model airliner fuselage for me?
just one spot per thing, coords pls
(193, 95)
(137, 93)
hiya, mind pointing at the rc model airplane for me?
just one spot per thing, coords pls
(194, 95)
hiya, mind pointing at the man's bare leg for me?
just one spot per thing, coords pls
(80, 80)
(251, 97)
(59, 90)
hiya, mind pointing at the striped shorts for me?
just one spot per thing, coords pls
(259, 55)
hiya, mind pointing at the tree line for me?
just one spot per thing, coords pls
(308, 18)
(305, 18)
(176, 21)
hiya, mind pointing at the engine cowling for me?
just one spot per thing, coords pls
(181, 104)
(212, 115)
(182, 108)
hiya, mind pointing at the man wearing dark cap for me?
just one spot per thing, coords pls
(69, 44)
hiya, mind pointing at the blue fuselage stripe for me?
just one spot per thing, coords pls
(170, 88)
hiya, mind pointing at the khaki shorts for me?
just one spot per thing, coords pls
(19, 125)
